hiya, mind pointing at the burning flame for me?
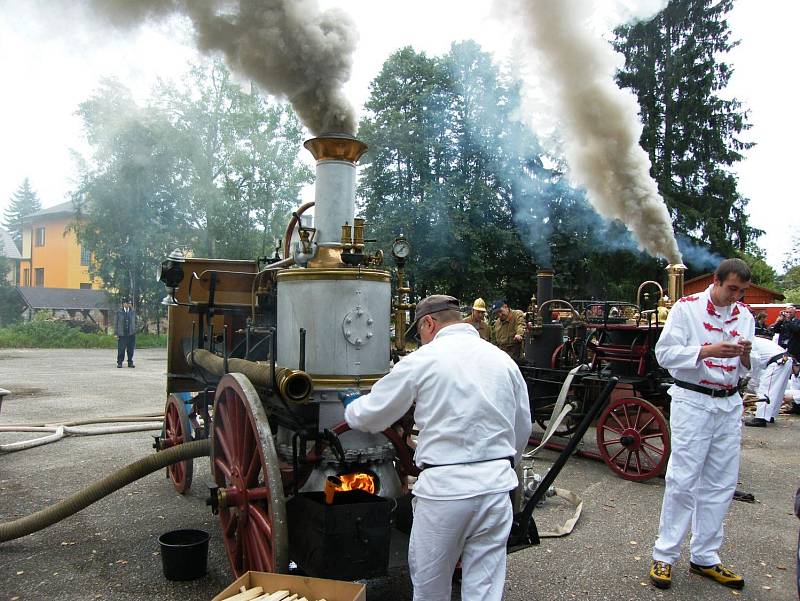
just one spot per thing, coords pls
(357, 481)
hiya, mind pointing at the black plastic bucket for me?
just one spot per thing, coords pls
(184, 554)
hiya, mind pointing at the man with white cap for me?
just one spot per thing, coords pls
(472, 410)
(477, 319)
(705, 345)
(772, 369)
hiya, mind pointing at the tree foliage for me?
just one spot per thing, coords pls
(202, 165)
(24, 202)
(453, 168)
(675, 65)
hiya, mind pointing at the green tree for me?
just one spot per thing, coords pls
(24, 202)
(239, 159)
(453, 168)
(674, 64)
(10, 303)
(129, 201)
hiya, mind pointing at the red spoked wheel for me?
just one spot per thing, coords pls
(252, 508)
(177, 431)
(633, 437)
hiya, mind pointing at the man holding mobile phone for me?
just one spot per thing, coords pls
(705, 345)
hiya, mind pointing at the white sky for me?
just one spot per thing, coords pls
(49, 68)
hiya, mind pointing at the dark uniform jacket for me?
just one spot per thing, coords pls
(125, 326)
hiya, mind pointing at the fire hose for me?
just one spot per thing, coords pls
(57, 431)
(102, 488)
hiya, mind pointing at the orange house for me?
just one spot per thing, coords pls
(51, 256)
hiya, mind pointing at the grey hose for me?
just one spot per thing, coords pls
(102, 488)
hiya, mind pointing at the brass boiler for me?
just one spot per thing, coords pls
(675, 276)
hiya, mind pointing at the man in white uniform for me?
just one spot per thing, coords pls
(705, 345)
(770, 376)
(474, 420)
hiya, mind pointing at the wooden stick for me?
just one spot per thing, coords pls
(247, 594)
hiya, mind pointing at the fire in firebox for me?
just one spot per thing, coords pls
(357, 481)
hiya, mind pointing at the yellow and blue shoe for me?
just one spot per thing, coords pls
(718, 573)
(661, 574)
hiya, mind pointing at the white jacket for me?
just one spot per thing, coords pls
(693, 322)
(763, 351)
(471, 408)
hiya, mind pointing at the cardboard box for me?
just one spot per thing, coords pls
(310, 588)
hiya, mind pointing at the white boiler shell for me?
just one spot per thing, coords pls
(334, 191)
(345, 313)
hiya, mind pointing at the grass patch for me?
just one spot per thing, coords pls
(57, 334)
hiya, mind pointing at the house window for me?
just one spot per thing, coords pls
(26, 277)
(38, 274)
(85, 256)
(39, 236)
(86, 285)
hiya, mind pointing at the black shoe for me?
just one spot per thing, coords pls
(119, 365)
(756, 422)
(130, 365)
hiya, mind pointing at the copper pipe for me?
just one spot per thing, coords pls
(287, 236)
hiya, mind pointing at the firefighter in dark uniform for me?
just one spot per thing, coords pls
(509, 328)
(477, 319)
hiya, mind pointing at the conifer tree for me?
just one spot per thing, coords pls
(24, 202)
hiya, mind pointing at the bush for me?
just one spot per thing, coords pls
(48, 333)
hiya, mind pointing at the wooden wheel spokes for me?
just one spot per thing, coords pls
(633, 438)
(177, 431)
(245, 467)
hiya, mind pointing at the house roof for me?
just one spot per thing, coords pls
(710, 276)
(65, 298)
(65, 208)
(7, 246)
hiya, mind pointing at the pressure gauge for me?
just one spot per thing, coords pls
(401, 248)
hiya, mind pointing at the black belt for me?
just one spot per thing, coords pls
(426, 466)
(706, 390)
(777, 359)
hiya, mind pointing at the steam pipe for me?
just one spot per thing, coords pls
(102, 488)
(639, 292)
(287, 236)
(558, 300)
(292, 384)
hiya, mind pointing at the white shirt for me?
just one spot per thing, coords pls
(472, 411)
(693, 322)
(763, 351)
(793, 390)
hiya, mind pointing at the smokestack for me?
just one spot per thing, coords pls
(335, 186)
(544, 291)
(675, 281)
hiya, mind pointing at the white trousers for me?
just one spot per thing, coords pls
(772, 384)
(474, 529)
(701, 478)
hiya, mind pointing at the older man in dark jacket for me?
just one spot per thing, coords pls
(125, 329)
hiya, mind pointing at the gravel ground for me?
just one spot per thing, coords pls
(110, 550)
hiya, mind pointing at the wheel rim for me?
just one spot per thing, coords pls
(245, 467)
(177, 431)
(633, 437)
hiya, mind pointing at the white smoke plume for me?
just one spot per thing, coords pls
(598, 121)
(291, 48)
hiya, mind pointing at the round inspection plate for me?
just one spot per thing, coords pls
(358, 326)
